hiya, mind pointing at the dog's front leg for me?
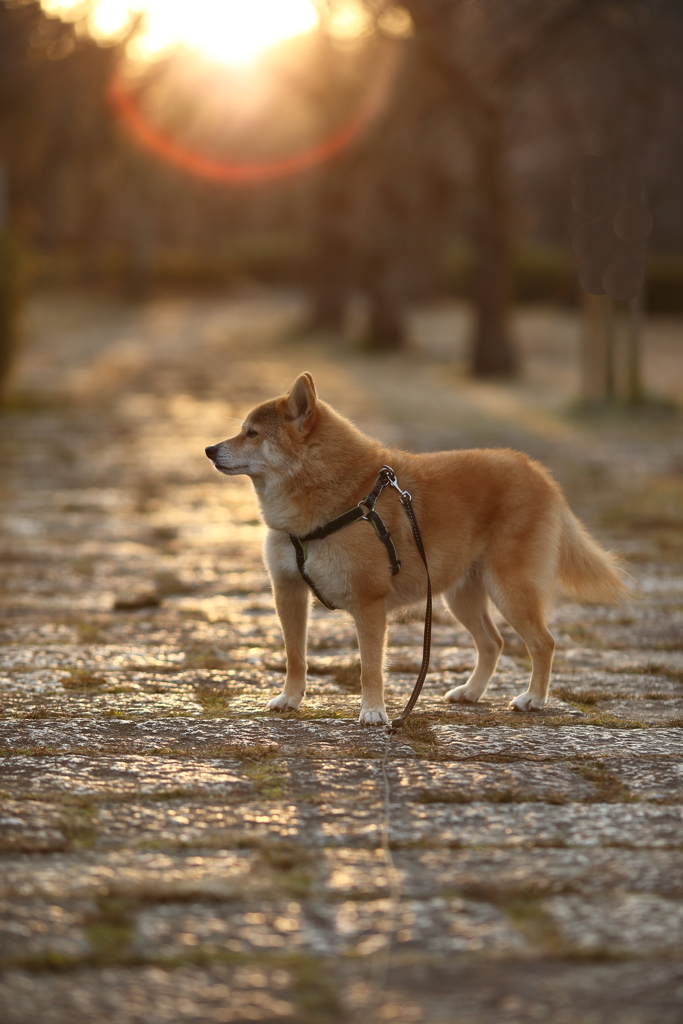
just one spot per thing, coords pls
(292, 600)
(371, 626)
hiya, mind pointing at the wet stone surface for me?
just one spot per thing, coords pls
(179, 823)
(170, 850)
(498, 872)
(577, 742)
(140, 874)
(633, 922)
(120, 776)
(31, 825)
(263, 735)
(35, 929)
(224, 994)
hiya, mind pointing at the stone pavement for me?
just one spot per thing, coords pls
(173, 852)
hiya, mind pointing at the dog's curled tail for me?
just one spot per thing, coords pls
(585, 569)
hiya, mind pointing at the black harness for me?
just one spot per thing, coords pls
(365, 509)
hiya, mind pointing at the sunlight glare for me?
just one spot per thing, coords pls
(233, 32)
(110, 19)
(348, 20)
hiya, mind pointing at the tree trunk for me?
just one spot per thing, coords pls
(634, 380)
(139, 253)
(385, 278)
(140, 237)
(494, 353)
(331, 273)
(386, 331)
(11, 291)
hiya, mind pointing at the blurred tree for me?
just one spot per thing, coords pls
(331, 272)
(383, 207)
(53, 121)
(483, 51)
(12, 265)
(406, 203)
(481, 80)
(334, 205)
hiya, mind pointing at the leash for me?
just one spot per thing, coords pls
(365, 510)
(380, 969)
(406, 501)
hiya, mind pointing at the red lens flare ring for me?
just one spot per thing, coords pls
(128, 111)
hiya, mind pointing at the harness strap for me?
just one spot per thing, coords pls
(300, 550)
(345, 519)
(365, 509)
(385, 537)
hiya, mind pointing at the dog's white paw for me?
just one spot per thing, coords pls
(373, 716)
(525, 702)
(283, 702)
(458, 695)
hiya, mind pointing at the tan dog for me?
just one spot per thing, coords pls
(494, 524)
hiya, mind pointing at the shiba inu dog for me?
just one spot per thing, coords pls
(495, 525)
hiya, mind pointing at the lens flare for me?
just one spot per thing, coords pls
(131, 115)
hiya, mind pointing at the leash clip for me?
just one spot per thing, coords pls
(393, 482)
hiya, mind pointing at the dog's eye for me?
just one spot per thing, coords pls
(252, 433)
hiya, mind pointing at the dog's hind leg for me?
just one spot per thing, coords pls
(521, 604)
(469, 603)
(292, 599)
(371, 626)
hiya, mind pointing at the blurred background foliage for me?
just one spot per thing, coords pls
(455, 182)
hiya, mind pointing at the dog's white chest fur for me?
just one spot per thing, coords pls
(323, 564)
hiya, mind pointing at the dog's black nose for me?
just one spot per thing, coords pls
(212, 451)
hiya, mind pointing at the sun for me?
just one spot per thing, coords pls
(233, 32)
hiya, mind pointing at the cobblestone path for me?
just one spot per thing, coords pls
(173, 852)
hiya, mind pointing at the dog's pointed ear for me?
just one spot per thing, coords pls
(302, 405)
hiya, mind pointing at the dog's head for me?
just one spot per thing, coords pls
(274, 435)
